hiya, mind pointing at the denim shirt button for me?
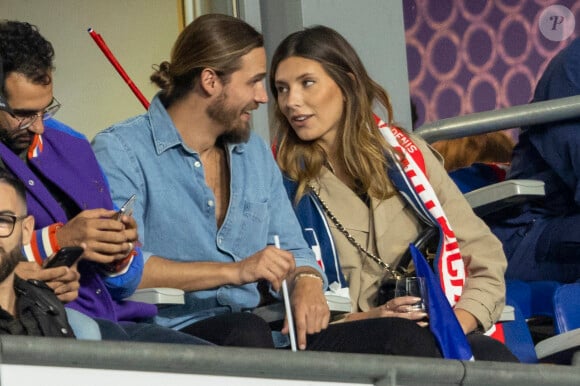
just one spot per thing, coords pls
(220, 240)
(210, 203)
(31, 182)
(197, 164)
(98, 291)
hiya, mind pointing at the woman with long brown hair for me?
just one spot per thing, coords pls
(347, 169)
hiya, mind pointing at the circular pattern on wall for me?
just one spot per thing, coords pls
(415, 53)
(438, 14)
(510, 6)
(482, 93)
(515, 41)
(468, 56)
(412, 19)
(517, 86)
(476, 10)
(441, 48)
(478, 48)
(447, 97)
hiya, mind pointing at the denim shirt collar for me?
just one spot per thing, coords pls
(165, 134)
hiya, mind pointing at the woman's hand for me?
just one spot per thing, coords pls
(467, 321)
(399, 307)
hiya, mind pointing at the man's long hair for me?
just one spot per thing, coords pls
(211, 41)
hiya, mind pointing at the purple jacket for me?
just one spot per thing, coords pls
(65, 158)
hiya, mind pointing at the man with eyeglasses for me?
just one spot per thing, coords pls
(67, 194)
(27, 307)
(25, 122)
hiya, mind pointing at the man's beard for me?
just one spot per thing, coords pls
(9, 261)
(16, 140)
(237, 131)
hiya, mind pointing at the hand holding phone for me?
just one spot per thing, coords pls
(127, 208)
(65, 256)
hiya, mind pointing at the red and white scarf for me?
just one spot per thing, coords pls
(449, 264)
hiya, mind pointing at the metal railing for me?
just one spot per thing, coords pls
(507, 118)
(267, 366)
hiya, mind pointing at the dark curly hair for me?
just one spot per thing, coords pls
(25, 51)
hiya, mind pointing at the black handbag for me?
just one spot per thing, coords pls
(426, 243)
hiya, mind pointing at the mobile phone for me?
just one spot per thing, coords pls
(65, 256)
(127, 208)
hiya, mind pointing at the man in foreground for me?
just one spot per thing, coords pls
(26, 307)
(210, 196)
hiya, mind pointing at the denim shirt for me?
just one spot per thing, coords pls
(175, 209)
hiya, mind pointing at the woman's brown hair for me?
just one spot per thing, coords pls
(365, 152)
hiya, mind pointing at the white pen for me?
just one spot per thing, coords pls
(287, 304)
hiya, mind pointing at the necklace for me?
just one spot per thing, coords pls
(386, 267)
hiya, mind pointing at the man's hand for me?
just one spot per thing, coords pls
(271, 264)
(105, 238)
(311, 313)
(64, 281)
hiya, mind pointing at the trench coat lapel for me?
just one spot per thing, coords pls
(348, 208)
(396, 225)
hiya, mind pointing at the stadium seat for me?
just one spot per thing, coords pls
(562, 347)
(567, 308)
(517, 336)
(158, 296)
(534, 298)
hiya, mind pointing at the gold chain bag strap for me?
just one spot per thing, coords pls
(425, 242)
(386, 267)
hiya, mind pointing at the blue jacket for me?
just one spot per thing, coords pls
(547, 152)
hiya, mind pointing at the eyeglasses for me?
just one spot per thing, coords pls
(7, 223)
(27, 121)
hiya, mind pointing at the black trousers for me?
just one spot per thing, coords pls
(241, 329)
(485, 348)
(394, 336)
(388, 336)
(397, 336)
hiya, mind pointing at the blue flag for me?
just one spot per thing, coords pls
(442, 320)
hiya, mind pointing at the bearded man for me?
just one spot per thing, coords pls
(210, 197)
(27, 307)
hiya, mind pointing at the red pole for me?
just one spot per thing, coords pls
(103, 46)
